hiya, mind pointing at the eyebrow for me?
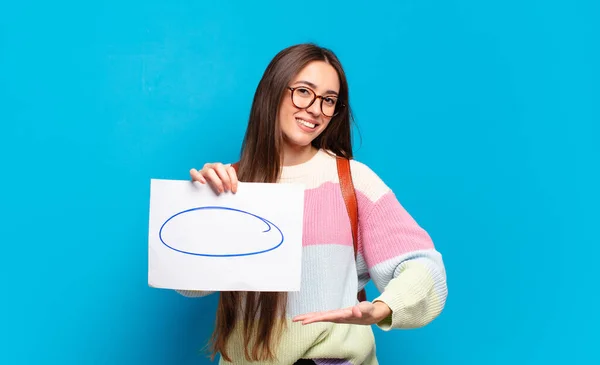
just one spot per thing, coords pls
(308, 83)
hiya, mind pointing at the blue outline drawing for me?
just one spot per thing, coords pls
(268, 223)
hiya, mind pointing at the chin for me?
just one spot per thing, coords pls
(299, 142)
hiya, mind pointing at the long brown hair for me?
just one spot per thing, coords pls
(260, 161)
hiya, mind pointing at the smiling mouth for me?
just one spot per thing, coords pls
(306, 124)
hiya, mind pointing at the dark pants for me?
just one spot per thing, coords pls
(304, 362)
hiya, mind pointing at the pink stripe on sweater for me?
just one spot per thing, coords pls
(388, 231)
(325, 217)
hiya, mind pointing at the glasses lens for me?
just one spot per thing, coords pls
(302, 97)
(328, 106)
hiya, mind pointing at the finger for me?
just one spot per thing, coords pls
(366, 307)
(306, 315)
(336, 316)
(211, 176)
(357, 312)
(344, 312)
(233, 178)
(318, 314)
(196, 176)
(329, 318)
(222, 172)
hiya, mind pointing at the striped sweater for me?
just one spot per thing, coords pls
(394, 252)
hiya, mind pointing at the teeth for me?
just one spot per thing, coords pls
(305, 123)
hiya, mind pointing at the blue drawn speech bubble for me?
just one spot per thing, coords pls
(267, 222)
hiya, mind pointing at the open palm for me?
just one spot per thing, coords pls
(365, 313)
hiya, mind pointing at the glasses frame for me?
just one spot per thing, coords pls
(339, 105)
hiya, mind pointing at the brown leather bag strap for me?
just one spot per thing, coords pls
(347, 186)
(349, 194)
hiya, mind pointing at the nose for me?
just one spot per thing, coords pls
(315, 108)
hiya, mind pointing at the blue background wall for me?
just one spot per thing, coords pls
(482, 116)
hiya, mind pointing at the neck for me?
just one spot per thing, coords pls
(294, 155)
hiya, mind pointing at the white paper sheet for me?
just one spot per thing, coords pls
(248, 241)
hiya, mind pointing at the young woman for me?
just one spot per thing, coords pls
(299, 123)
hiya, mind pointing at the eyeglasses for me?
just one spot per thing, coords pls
(303, 98)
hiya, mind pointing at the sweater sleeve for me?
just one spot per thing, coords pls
(400, 258)
(194, 293)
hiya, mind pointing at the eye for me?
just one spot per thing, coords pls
(302, 91)
(330, 101)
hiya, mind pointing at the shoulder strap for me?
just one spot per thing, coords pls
(347, 186)
(349, 194)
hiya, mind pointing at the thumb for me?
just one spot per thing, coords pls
(357, 311)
